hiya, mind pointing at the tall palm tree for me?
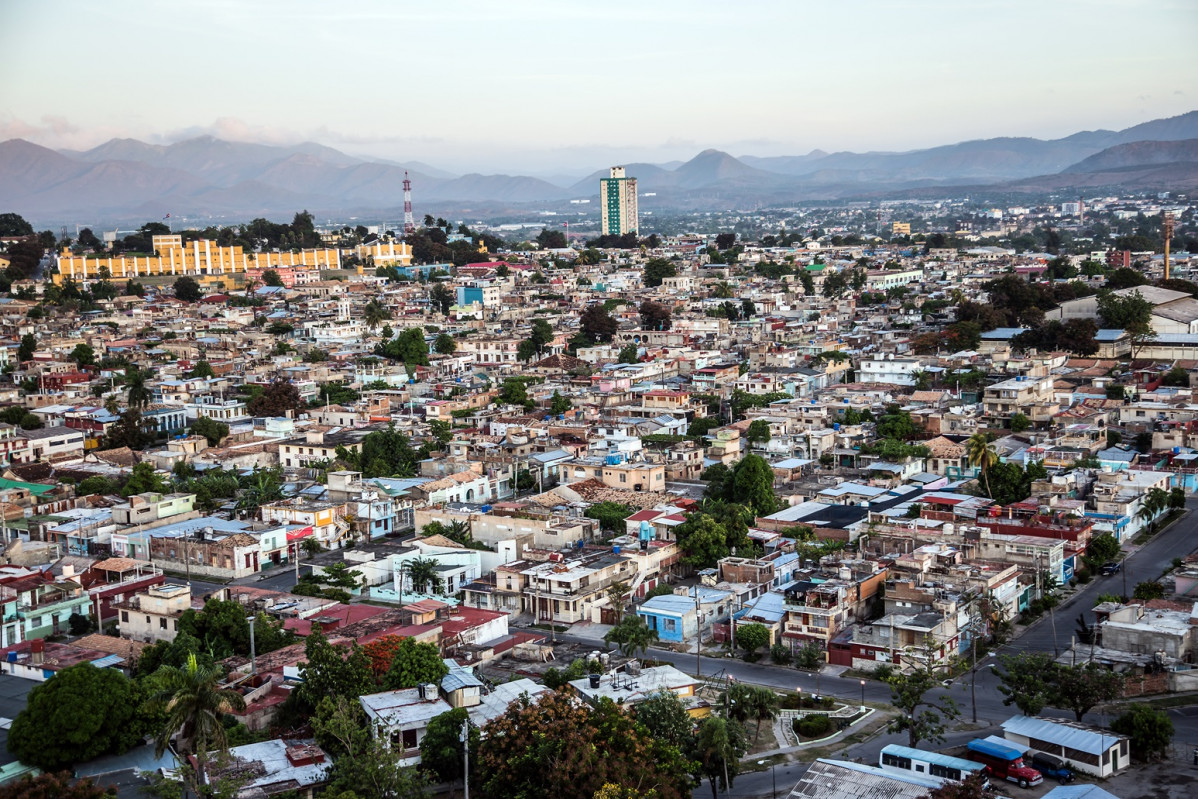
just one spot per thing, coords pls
(763, 706)
(423, 574)
(194, 701)
(981, 455)
(374, 314)
(139, 395)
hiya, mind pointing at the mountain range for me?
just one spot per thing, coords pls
(126, 179)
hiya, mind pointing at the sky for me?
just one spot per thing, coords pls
(566, 87)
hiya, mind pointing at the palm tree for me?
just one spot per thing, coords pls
(374, 314)
(763, 706)
(714, 747)
(194, 701)
(632, 635)
(981, 455)
(423, 574)
(135, 381)
(617, 594)
(459, 531)
(1152, 504)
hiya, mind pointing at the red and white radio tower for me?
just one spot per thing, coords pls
(409, 224)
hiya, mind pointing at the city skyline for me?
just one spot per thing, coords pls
(533, 88)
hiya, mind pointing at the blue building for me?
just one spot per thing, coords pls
(671, 615)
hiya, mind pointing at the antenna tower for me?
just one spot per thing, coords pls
(409, 223)
(1167, 230)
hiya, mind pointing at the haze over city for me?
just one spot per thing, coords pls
(542, 88)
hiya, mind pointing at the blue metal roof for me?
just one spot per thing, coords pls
(932, 757)
(1003, 333)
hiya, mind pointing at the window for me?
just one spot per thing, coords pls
(124, 617)
(896, 761)
(162, 624)
(409, 739)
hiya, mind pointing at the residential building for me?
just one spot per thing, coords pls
(618, 204)
(153, 615)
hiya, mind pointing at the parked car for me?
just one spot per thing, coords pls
(1110, 567)
(1052, 766)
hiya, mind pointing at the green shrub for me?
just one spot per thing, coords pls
(780, 654)
(813, 726)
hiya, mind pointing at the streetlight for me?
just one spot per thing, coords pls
(800, 690)
(773, 776)
(973, 682)
(863, 696)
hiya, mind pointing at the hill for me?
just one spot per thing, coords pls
(125, 178)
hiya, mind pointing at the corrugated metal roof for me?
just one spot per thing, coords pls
(840, 779)
(1089, 741)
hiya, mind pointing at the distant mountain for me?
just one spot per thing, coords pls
(501, 188)
(130, 179)
(40, 181)
(1184, 126)
(1139, 154)
(785, 164)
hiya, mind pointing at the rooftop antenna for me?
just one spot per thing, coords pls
(1167, 229)
(409, 223)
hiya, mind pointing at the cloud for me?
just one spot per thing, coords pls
(56, 132)
(234, 129)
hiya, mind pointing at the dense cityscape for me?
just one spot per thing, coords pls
(598, 401)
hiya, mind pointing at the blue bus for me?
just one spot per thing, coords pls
(905, 760)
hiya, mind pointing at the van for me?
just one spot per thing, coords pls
(1004, 762)
(1052, 766)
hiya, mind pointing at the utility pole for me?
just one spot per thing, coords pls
(732, 622)
(465, 738)
(253, 648)
(698, 635)
(1167, 230)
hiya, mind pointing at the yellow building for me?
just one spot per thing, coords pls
(200, 258)
(901, 228)
(390, 254)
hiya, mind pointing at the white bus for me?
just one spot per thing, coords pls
(904, 759)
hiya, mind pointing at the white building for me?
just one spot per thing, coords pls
(889, 369)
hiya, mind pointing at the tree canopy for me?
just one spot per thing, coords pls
(414, 664)
(78, 714)
(559, 747)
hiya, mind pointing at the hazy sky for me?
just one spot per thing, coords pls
(544, 87)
